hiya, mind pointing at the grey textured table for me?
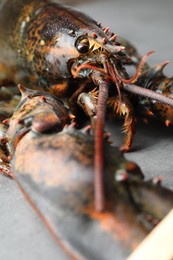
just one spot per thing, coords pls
(148, 25)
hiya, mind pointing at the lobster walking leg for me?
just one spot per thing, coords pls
(5, 167)
(125, 109)
(88, 103)
(4, 159)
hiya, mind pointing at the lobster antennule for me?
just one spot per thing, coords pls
(138, 71)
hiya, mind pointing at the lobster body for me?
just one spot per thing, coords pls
(51, 42)
(73, 57)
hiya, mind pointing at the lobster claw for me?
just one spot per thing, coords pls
(56, 174)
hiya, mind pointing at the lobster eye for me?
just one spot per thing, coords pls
(82, 45)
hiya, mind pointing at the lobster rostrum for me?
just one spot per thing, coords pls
(73, 57)
(55, 171)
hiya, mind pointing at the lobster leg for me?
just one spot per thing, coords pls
(87, 102)
(124, 109)
(5, 167)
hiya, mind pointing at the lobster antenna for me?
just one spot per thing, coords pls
(98, 160)
(148, 93)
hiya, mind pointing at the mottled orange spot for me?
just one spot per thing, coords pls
(42, 42)
(120, 221)
(167, 123)
(60, 89)
(149, 113)
(145, 120)
(71, 116)
(110, 223)
(130, 166)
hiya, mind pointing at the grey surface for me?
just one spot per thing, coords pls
(148, 25)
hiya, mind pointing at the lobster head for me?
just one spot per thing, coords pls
(65, 39)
